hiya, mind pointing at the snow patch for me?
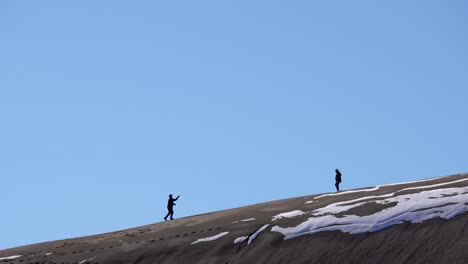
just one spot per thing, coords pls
(432, 186)
(287, 215)
(393, 184)
(254, 236)
(206, 239)
(346, 192)
(400, 183)
(240, 239)
(341, 204)
(11, 257)
(83, 261)
(414, 208)
(48, 253)
(244, 220)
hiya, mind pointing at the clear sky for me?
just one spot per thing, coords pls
(106, 107)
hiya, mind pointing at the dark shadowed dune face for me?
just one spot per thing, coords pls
(416, 222)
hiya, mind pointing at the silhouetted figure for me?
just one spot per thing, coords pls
(337, 180)
(170, 206)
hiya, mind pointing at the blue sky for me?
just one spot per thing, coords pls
(106, 107)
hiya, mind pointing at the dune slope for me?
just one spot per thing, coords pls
(415, 222)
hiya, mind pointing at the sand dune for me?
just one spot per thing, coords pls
(414, 222)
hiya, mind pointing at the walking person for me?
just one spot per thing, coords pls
(337, 180)
(170, 207)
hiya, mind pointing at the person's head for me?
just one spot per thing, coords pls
(170, 195)
(336, 170)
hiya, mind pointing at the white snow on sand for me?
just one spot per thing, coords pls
(374, 188)
(393, 184)
(287, 215)
(414, 208)
(10, 257)
(343, 203)
(206, 239)
(409, 182)
(240, 239)
(346, 192)
(83, 261)
(254, 236)
(244, 220)
(48, 253)
(433, 185)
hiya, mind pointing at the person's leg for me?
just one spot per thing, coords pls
(169, 210)
(165, 218)
(337, 185)
(172, 214)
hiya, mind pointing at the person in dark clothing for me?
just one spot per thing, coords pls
(170, 206)
(337, 180)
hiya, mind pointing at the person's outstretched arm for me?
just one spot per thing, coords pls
(177, 198)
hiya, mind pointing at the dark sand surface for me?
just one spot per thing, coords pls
(432, 241)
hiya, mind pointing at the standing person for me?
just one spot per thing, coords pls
(337, 180)
(170, 206)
